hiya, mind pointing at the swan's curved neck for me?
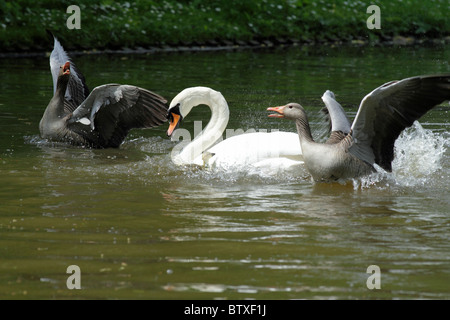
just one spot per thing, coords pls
(213, 131)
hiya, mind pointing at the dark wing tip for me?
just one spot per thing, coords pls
(418, 96)
(153, 108)
(50, 34)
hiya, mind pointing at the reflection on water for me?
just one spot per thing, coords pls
(140, 227)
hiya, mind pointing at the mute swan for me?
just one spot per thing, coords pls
(352, 150)
(100, 119)
(276, 150)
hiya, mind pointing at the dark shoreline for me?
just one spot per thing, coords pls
(237, 45)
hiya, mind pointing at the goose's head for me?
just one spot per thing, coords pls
(64, 69)
(290, 111)
(187, 99)
(64, 73)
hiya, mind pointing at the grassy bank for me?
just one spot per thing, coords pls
(118, 24)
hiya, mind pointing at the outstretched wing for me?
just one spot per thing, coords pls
(77, 90)
(111, 110)
(340, 125)
(388, 110)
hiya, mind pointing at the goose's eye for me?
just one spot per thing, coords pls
(290, 107)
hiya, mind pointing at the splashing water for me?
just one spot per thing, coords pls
(418, 157)
(419, 160)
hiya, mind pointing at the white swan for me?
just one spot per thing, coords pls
(274, 150)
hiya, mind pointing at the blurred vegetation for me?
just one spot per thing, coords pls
(143, 23)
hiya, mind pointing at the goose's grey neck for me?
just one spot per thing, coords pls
(61, 88)
(55, 109)
(303, 129)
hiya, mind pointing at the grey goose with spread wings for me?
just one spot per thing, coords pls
(353, 149)
(101, 118)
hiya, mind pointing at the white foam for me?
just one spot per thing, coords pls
(419, 154)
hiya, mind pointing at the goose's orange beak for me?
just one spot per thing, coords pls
(279, 112)
(66, 68)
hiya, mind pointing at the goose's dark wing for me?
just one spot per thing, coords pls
(77, 90)
(340, 125)
(387, 110)
(111, 110)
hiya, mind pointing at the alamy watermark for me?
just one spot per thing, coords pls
(374, 21)
(74, 20)
(74, 280)
(184, 137)
(374, 280)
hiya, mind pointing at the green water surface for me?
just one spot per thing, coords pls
(141, 228)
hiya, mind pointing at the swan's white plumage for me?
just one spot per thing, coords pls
(275, 150)
(259, 149)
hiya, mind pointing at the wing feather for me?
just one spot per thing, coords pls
(340, 125)
(115, 109)
(77, 90)
(388, 110)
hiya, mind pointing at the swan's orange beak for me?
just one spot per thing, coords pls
(174, 120)
(279, 112)
(66, 68)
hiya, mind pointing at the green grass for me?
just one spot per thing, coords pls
(118, 24)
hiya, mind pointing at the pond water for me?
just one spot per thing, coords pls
(140, 227)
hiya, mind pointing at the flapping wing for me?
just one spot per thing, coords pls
(77, 90)
(111, 110)
(340, 125)
(388, 110)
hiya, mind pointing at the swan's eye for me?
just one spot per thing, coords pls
(175, 109)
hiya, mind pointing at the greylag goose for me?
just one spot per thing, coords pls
(353, 149)
(101, 119)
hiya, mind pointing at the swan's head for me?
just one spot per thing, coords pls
(174, 116)
(187, 99)
(291, 111)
